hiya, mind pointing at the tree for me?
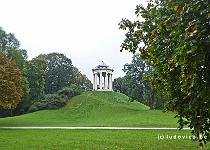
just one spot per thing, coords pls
(9, 46)
(135, 85)
(173, 37)
(7, 41)
(134, 77)
(58, 72)
(19, 56)
(11, 88)
(25, 102)
(35, 73)
(119, 85)
(81, 79)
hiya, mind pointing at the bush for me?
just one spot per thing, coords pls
(36, 106)
(55, 101)
(70, 91)
(51, 101)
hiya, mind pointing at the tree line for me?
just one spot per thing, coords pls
(45, 82)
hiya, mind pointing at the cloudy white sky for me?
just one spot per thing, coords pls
(86, 31)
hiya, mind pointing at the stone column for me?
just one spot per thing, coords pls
(93, 81)
(106, 82)
(97, 82)
(103, 82)
(101, 78)
(111, 82)
(96, 76)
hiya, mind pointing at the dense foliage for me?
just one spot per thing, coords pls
(7, 41)
(58, 71)
(174, 37)
(135, 85)
(69, 91)
(35, 73)
(50, 101)
(11, 86)
(56, 100)
(81, 79)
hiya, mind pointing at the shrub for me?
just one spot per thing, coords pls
(69, 91)
(51, 101)
(55, 101)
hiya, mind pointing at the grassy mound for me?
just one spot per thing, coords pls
(96, 109)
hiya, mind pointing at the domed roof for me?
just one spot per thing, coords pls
(102, 66)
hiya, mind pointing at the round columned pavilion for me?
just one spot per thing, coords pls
(102, 78)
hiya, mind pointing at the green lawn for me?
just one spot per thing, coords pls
(96, 109)
(51, 139)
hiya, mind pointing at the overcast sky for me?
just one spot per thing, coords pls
(86, 31)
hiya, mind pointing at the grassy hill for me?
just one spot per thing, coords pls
(96, 109)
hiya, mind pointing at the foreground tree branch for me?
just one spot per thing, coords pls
(174, 37)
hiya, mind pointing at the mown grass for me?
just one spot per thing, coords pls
(51, 139)
(96, 109)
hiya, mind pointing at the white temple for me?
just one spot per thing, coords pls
(102, 78)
